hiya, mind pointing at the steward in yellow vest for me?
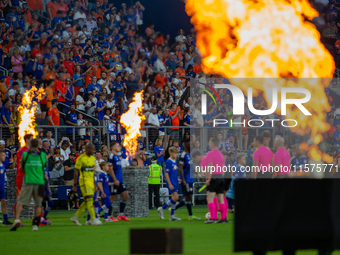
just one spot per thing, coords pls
(154, 181)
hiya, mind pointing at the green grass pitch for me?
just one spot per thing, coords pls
(63, 237)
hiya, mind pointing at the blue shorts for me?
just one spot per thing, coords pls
(107, 201)
(231, 202)
(187, 189)
(2, 194)
(174, 190)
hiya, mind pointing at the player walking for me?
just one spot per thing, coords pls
(104, 188)
(172, 184)
(215, 181)
(117, 176)
(2, 189)
(84, 166)
(187, 180)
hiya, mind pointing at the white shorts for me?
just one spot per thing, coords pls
(143, 133)
(161, 133)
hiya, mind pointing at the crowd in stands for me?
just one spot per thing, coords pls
(91, 57)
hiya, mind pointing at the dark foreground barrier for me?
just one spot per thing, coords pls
(156, 241)
(287, 215)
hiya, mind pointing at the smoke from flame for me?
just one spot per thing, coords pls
(131, 121)
(27, 111)
(267, 39)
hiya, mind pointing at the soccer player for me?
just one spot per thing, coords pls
(48, 198)
(104, 190)
(240, 173)
(187, 180)
(263, 159)
(95, 196)
(85, 166)
(117, 176)
(172, 184)
(215, 182)
(2, 189)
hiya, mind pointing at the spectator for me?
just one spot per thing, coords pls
(69, 170)
(48, 151)
(6, 115)
(71, 120)
(336, 135)
(49, 138)
(229, 144)
(174, 112)
(53, 114)
(152, 120)
(65, 149)
(17, 61)
(131, 86)
(58, 167)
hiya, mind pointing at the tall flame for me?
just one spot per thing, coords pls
(27, 111)
(131, 121)
(266, 39)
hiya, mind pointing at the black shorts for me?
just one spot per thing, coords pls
(43, 107)
(216, 185)
(227, 182)
(118, 189)
(187, 189)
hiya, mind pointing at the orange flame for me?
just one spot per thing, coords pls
(131, 121)
(27, 111)
(267, 39)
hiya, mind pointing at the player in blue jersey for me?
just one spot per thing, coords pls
(6, 222)
(117, 177)
(239, 174)
(8, 153)
(95, 199)
(187, 180)
(48, 198)
(104, 190)
(172, 184)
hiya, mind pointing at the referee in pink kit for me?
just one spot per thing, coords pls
(215, 182)
(281, 159)
(263, 160)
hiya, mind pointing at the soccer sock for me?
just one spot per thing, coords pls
(96, 207)
(88, 217)
(211, 207)
(226, 207)
(102, 208)
(216, 209)
(89, 205)
(189, 207)
(81, 209)
(169, 203)
(110, 210)
(122, 207)
(47, 210)
(180, 204)
(223, 211)
(173, 208)
(106, 213)
(36, 221)
(5, 217)
(15, 208)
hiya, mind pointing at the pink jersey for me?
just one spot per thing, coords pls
(282, 157)
(204, 161)
(263, 156)
(217, 159)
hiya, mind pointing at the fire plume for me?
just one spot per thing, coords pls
(267, 39)
(131, 121)
(27, 111)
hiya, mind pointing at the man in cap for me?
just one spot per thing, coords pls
(67, 36)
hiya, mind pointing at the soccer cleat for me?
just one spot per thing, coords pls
(174, 218)
(15, 225)
(88, 222)
(194, 218)
(223, 221)
(106, 220)
(74, 219)
(22, 225)
(210, 221)
(160, 213)
(123, 217)
(7, 223)
(35, 228)
(96, 222)
(112, 219)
